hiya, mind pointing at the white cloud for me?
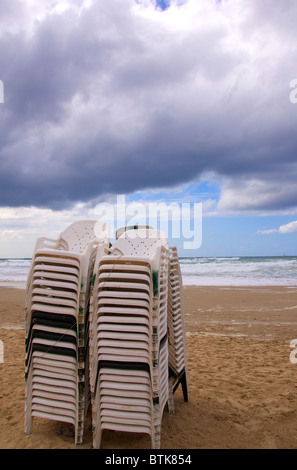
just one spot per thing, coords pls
(291, 227)
(10, 234)
(288, 228)
(20, 227)
(249, 194)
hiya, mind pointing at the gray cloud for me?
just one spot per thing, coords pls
(104, 100)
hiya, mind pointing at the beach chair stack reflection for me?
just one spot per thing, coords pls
(177, 351)
(128, 336)
(57, 306)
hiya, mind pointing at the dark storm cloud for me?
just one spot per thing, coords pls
(104, 100)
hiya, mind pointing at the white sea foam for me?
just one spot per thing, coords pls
(237, 271)
(211, 271)
(14, 269)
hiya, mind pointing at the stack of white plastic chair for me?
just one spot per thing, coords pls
(129, 359)
(57, 305)
(176, 328)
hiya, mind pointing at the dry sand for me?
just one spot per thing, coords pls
(242, 384)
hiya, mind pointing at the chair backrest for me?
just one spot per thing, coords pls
(121, 230)
(81, 233)
(139, 242)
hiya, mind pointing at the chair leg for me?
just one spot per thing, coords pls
(28, 404)
(170, 402)
(97, 439)
(28, 418)
(184, 384)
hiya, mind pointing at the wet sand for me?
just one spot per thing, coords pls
(242, 384)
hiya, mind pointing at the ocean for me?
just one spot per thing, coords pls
(211, 271)
(240, 271)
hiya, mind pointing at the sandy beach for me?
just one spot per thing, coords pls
(242, 384)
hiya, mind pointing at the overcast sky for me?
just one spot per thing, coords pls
(153, 101)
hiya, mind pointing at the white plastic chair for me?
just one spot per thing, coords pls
(58, 290)
(131, 287)
(176, 328)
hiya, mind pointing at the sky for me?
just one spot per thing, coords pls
(168, 101)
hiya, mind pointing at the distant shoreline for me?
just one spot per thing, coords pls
(14, 284)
